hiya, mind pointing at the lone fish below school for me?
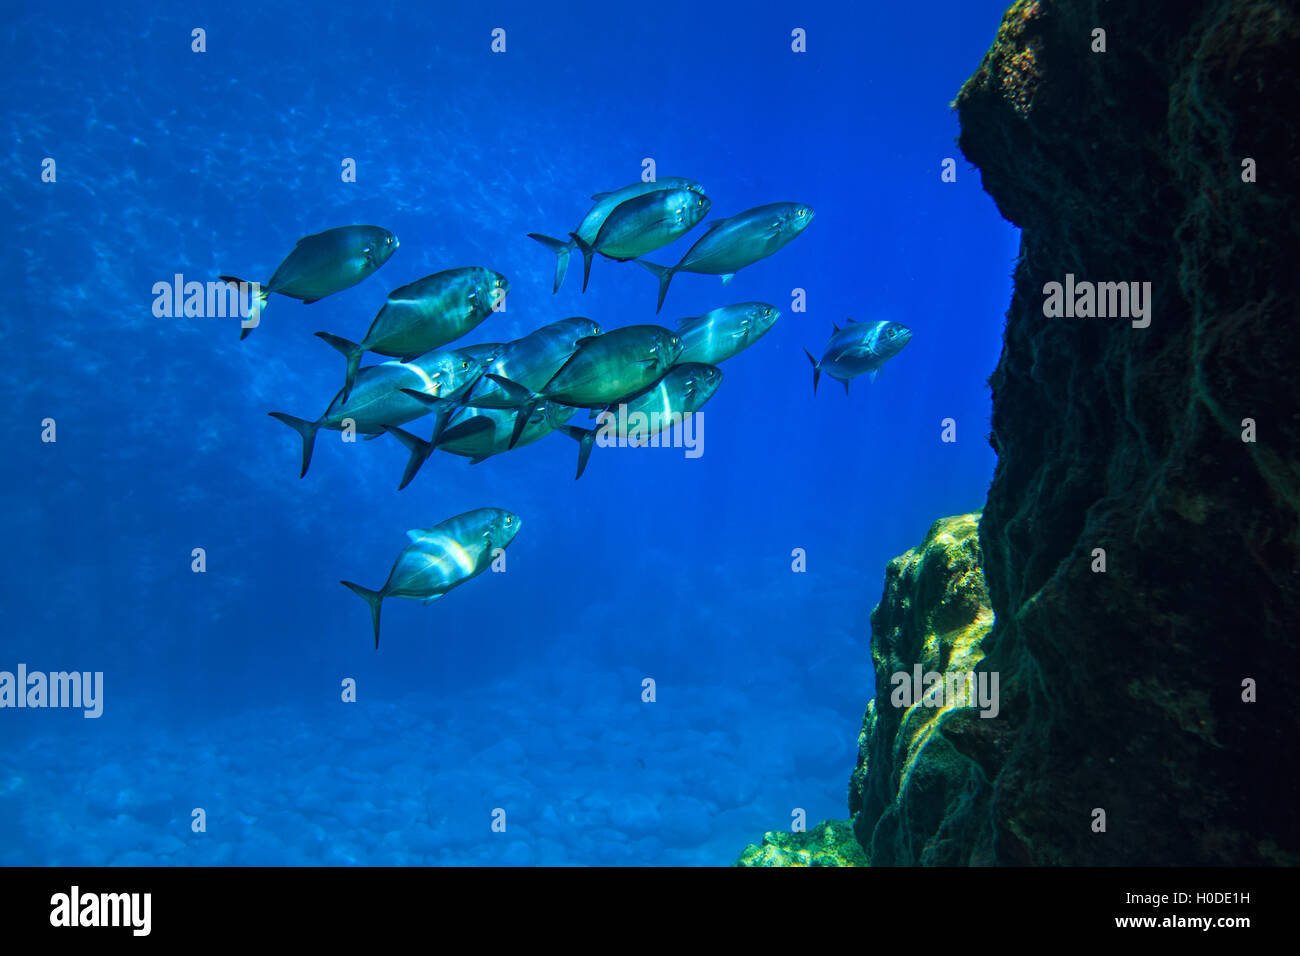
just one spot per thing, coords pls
(441, 558)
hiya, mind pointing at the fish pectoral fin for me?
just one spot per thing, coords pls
(429, 600)
(481, 458)
(728, 277)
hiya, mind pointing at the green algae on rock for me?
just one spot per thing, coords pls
(926, 754)
(828, 844)
(929, 751)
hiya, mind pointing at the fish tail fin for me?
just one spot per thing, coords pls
(587, 252)
(373, 598)
(350, 351)
(561, 250)
(444, 409)
(514, 391)
(522, 418)
(585, 437)
(527, 400)
(249, 322)
(664, 274)
(817, 371)
(304, 428)
(418, 447)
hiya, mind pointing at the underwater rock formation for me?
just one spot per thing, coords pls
(1170, 447)
(932, 620)
(828, 844)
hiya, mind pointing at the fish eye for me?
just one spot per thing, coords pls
(510, 519)
(464, 364)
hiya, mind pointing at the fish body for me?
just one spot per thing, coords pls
(683, 391)
(326, 262)
(381, 396)
(606, 203)
(638, 418)
(425, 315)
(716, 336)
(606, 368)
(480, 433)
(441, 558)
(859, 348)
(733, 243)
(642, 224)
(531, 361)
(602, 370)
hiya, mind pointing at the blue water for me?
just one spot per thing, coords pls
(519, 691)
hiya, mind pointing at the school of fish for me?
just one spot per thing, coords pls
(488, 399)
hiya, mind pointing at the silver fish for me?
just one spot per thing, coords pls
(635, 420)
(324, 263)
(603, 369)
(857, 348)
(425, 315)
(479, 433)
(643, 224)
(716, 336)
(531, 361)
(441, 558)
(731, 244)
(595, 218)
(378, 399)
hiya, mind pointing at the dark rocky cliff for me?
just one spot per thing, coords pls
(1123, 690)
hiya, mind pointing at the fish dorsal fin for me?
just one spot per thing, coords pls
(852, 321)
(682, 323)
(599, 196)
(836, 328)
(714, 225)
(584, 340)
(417, 534)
